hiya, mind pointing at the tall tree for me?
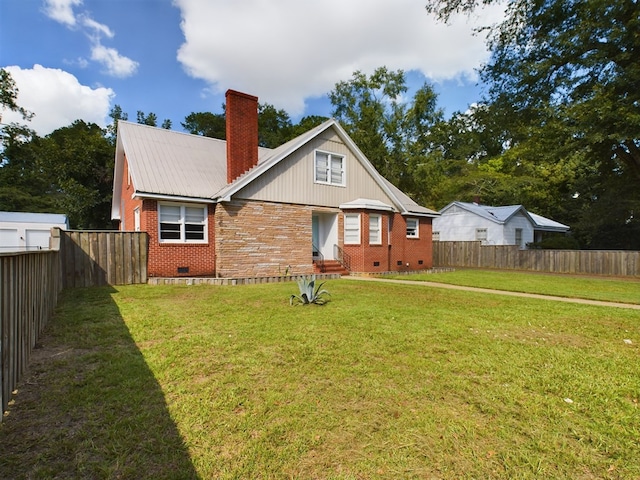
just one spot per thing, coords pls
(388, 130)
(206, 124)
(9, 96)
(565, 83)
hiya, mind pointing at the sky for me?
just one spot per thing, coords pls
(77, 59)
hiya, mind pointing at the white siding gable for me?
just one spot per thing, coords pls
(292, 179)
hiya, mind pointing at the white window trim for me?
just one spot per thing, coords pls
(377, 241)
(356, 215)
(435, 236)
(482, 232)
(417, 222)
(183, 239)
(330, 156)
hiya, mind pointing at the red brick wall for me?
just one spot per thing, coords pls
(127, 204)
(242, 133)
(403, 250)
(262, 239)
(166, 258)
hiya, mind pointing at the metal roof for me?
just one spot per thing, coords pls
(28, 217)
(502, 215)
(168, 164)
(173, 163)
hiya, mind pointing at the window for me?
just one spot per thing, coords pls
(182, 223)
(481, 234)
(375, 232)
(136, 219)
(412, 228)
(329, 168)
(352, 228)
(519, 237)
(435, 236)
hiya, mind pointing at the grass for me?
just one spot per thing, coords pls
(592, 288)
(385, 381)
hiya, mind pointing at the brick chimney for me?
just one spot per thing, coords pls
(242, 133)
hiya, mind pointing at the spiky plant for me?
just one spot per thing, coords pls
(310, 293)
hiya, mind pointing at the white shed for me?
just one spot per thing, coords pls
(506, 225)
(22, 231)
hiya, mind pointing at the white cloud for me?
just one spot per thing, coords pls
(57, 98)
(97, 27)
(286, 50)
(61, 10)
(116, 64)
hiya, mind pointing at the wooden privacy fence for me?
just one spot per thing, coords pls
(29, 287)
(94, 258)
(510, 257)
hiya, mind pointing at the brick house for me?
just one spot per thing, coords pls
(232, 209)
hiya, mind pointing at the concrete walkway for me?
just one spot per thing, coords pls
(598, 303)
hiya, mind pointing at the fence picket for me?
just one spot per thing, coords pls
(510, 257)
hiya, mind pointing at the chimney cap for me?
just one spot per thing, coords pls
(240, 94)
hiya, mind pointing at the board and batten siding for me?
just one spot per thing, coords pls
(292, 180)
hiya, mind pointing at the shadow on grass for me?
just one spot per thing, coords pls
(90, 407)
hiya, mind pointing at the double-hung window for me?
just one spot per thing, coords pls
(182, 223)
(352, 228)
(481, 234)
(375, 230)
(329, 168)
(412, 228)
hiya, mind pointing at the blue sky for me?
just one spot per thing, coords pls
(78, 58)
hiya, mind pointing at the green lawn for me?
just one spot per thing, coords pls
(625, 290)
(384, 382)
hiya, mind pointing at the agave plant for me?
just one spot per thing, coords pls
(309, 292)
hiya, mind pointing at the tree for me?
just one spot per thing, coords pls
(9, 96)
(388, 130)
(206, 124)
(274, 126)
(565, 83)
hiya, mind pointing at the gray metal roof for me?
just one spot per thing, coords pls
(172, 163)
(28, 217)
(165, 163)
(502, 214)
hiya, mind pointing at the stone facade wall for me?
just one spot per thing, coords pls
(262, 239)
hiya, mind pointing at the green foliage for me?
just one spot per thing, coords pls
(388, 130)
(206, 124)
(309, 292)
(558, 242)
(9, 96)
(69, 171)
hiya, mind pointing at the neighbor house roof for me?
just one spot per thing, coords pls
(168, 164)
(28, 217)
(503, 214)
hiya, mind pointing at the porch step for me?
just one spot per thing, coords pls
(330, 266)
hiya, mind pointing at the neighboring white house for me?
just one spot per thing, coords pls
(508, 225)
(21, 231)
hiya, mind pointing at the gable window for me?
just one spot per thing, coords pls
(481, 234)
(375, 232)
(412, 228)
(329, 168)
(182, 223)
(351, 228)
